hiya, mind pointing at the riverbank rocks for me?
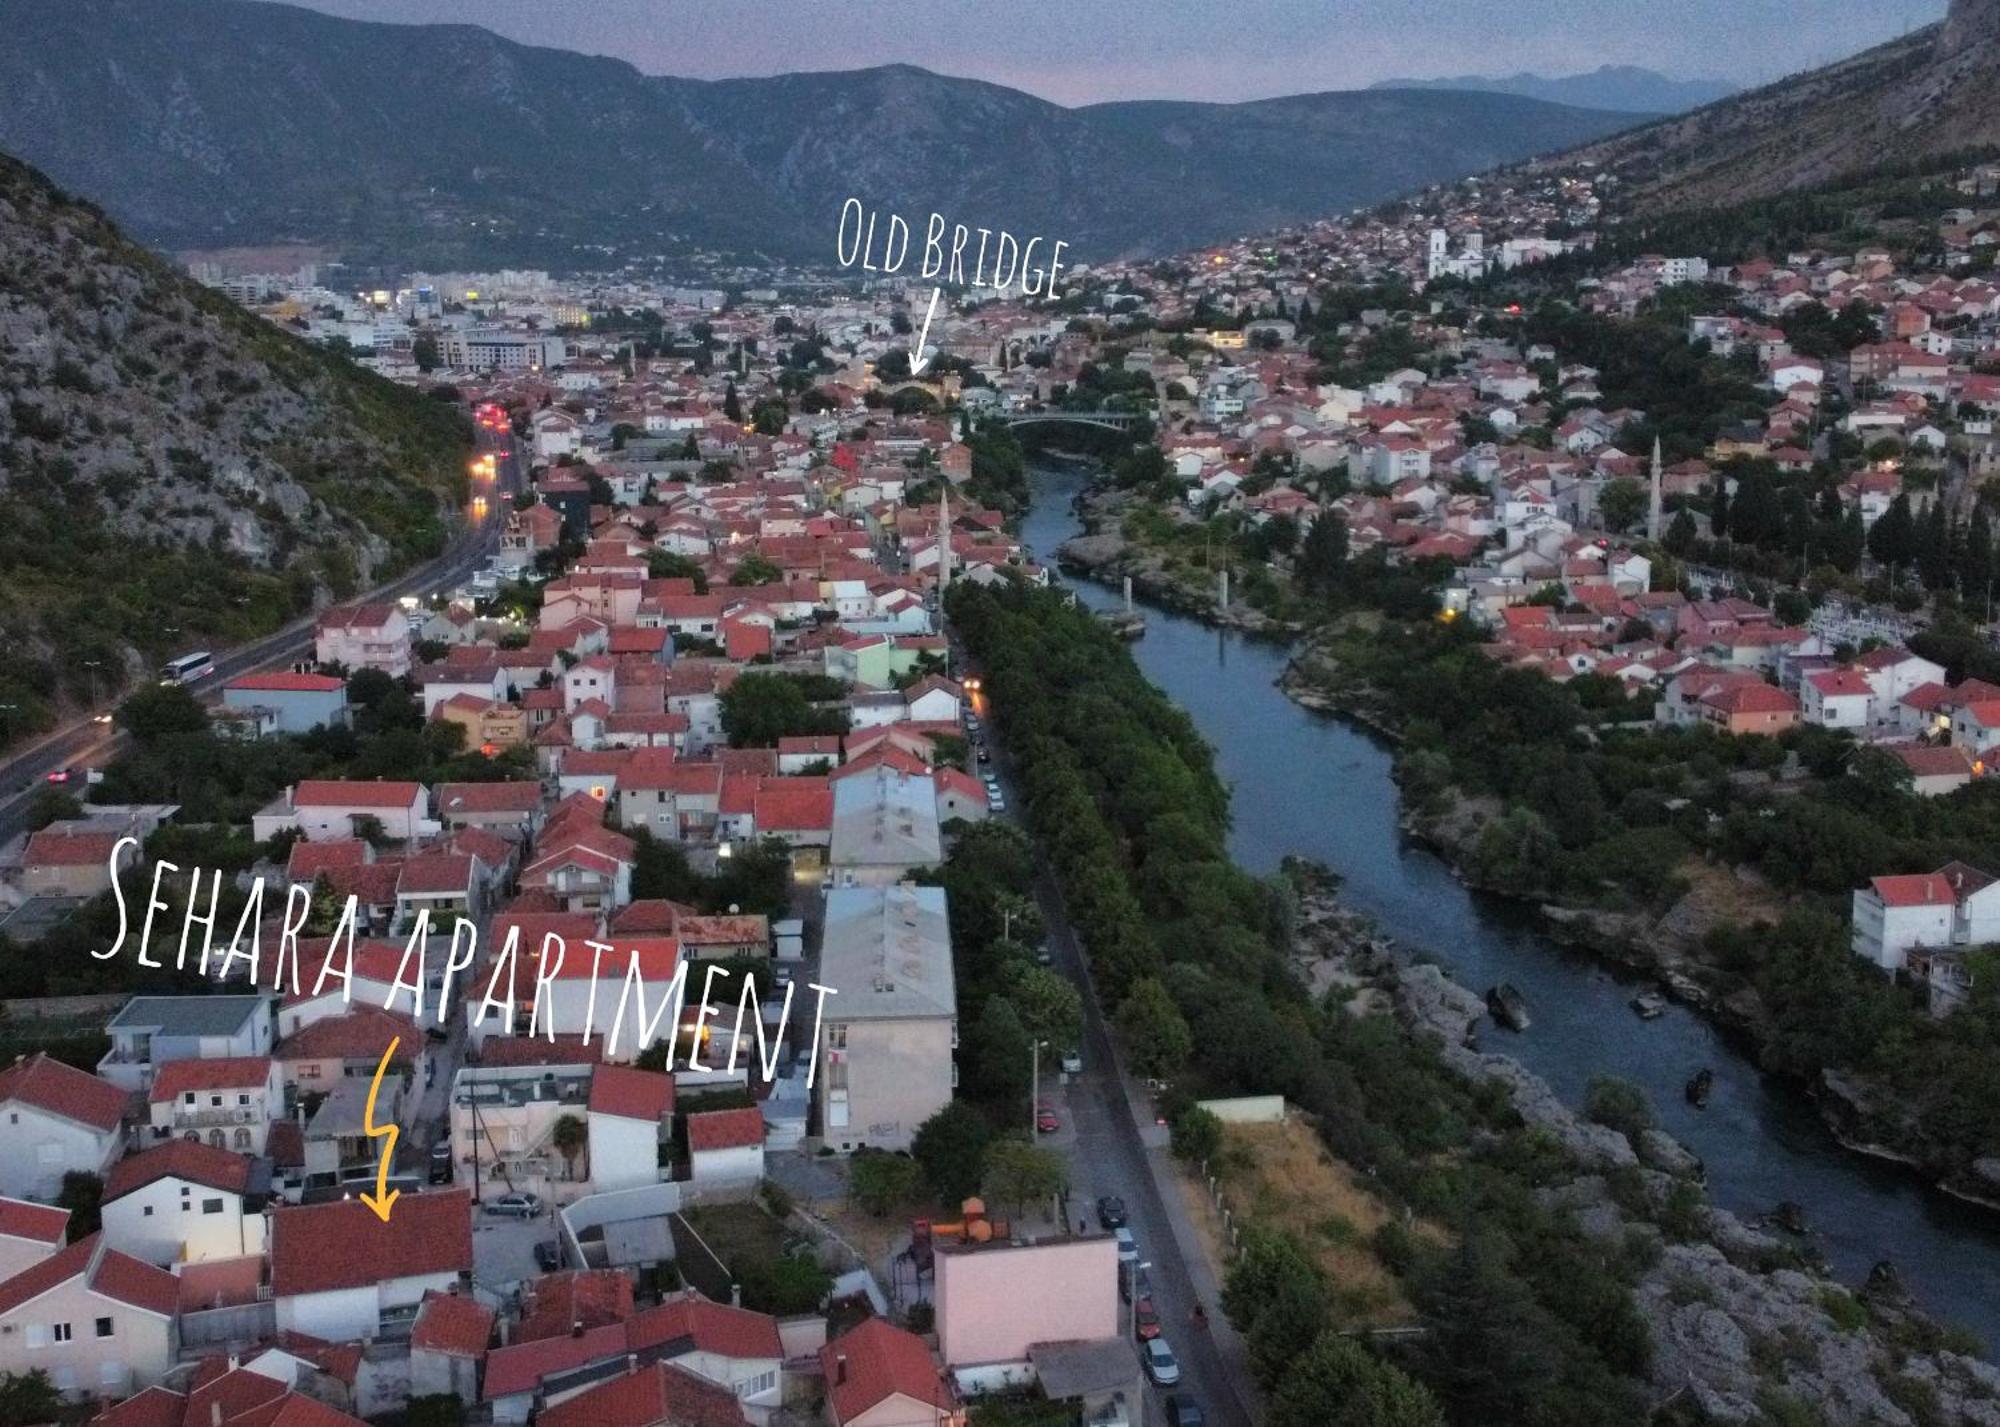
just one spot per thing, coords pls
(1738, 1325)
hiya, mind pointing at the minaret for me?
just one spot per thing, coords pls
(1653, 511)
(944, 535)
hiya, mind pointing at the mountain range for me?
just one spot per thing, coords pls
(226, 122)
(1622, 88)
(1934, 92)
(175, 472)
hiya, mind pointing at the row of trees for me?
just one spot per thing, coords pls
(1527, 1320)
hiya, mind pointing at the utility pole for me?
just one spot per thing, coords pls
(93, 665)
(1034, 1091)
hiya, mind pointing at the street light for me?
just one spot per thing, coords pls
(1035, 1091)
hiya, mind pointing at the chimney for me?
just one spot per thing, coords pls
(215, 1414)
(576, 1328)
(839, 1370)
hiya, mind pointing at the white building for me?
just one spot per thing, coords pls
(183, 1202)
(628, 1118)
(339, 1272)
(1956, 905)
(54, 1119)
(367, 636)
(99, 1322)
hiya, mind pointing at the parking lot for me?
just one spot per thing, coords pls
(503, 1250)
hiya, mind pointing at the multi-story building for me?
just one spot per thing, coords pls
(152, 1030)
(887, 1035)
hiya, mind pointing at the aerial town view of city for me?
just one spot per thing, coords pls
(790, 713)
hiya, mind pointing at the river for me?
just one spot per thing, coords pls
(1313, 785)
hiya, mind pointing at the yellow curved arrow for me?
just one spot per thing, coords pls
(384, 1198)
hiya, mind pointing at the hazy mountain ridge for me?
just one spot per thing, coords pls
(212, 122)
(1931, 92)
(170, 463)
(1622, 88)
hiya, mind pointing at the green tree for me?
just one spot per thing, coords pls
(1196, 1135)
(1339, 1383)
(424, 352)
(50, 803)
(435, 1409)
(881, 1183)
(161, 710)
(997, 1057)
(667, 565)
(759, 709)
(1155, 1032)
(1019, 1174)
(769, 416)
(755, 570)
(28, 1399)
(569, 1135)
(1276, 1297)
(1049, 1005)
(732, 405)
(1322, 562)
(951, 1147)
(82, 1193)
(1618, 1104)
(1892, 540)
(1679, 536)
(1621, 502)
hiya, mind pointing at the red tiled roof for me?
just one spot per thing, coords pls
(60, 1089)
(454, 1324)
(220, 1283)
(882, 1360)
(286, 683)
(309, 859)
(55, 847)
(488, 798)
(293, 1410)
(229, 1072)
(711, 1327)
(191, 1160)
(354, 793)
(317, 1248)
(361, 1034)
(725, 1129)
(110, 1273)
(631, 1094)
(155, 1407)
(1927, 762)
(654, 1394)
(1921, 889)
(518, 1367)
(39, 1222)
(558, 1302)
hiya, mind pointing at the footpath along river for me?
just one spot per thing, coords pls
(1318, 787)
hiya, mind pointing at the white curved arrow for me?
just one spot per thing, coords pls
(918, 361)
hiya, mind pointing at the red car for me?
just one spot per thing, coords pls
(1046, 1121)
(1145, 1319)
(61, 775)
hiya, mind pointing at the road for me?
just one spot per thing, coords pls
(89, 744)
(1109, 1155)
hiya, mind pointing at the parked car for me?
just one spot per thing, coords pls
(997, 803)
(1128, 1247)
(514, 1206)
(548, 1258)
(1185, 1412)
(1134, 1282)
(441, 1162)
(1145, 1320)
(1111, 1213)
(1161, 1364)
(1045, 1119)
(985, 754)
(61, 775)
(1072, 1062)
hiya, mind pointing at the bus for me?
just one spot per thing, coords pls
(188, 668)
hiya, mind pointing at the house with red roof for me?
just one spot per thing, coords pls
(1837, 698)
(29, 1233)
(879, 1375)
(448, 1346)
(1896, 917)
(298, 703)
(732, 1348)
(649, 1396)
(340, 1273)
(229, 1101)
(629, 1116)
(99, 1322)
(74, 859)
(366, 636)
(183, 1201)
(1935, 771)
(513, 810)
(57, 1119)
(726, 1146)
(1755, 707)
(332, 809)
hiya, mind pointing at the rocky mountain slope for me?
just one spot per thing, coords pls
(1625, 88)
(1933, 92)
(174, 471)
(209, 122)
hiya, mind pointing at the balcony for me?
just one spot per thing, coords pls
(186, 1119)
